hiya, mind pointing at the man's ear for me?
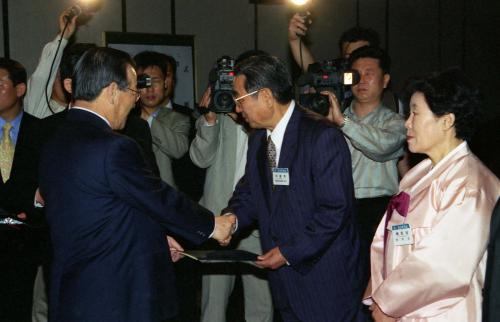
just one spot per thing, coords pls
(387, 79)
(267, 96)
(112, 93)
(20, 89)
(67, 82)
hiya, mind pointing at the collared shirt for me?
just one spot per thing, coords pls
(90, 111)
(153, 115)
(376, 143)
(14, 131)
(278, 132)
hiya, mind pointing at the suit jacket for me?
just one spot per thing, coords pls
(17, 194)
(311, 220)
(440, 276)
(20, 247)
(170, 134)
(108, 216)
(135, 128)
(491, 301)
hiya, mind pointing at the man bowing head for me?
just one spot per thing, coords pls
(298, 188)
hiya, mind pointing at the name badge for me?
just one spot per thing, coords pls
(402, 235)
(281, 177)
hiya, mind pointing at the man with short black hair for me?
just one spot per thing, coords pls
(375, 135)
(19, 143)
(352, 39)
(169, 128)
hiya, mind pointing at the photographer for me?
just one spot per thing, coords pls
(350, 40)
(169, 128)
(375, 135)
(220, 146)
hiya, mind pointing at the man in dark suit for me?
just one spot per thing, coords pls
(108, 214)
(298, 187)
(19, 141)
(491, 302)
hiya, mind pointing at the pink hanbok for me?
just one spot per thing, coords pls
(440, 276)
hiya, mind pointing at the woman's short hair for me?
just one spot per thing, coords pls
(450, 92)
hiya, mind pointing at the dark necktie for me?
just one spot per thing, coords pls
(271, 152)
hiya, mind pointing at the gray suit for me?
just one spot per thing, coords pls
(170, 134)
(215, 148)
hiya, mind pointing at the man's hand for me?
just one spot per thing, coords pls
(334, 113)
(273, 259)
(210, 117)
(175, 249)
(297, 26)
(224, 228)
(70, 29)
(380, 316)
(38, 198)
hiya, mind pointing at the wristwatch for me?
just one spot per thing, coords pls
(346, 118)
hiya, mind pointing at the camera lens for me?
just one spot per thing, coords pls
(223, 102)
(315, 102)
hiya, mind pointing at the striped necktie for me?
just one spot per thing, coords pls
(6, 152)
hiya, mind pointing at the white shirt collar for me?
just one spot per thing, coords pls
(278, 133)
(90, 111)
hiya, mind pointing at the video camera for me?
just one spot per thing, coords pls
(329, 75)
(143, 81)
(221, 80)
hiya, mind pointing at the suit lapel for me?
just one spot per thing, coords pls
(287, 154)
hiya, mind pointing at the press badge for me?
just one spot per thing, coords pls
(281, 177)
(401, 234)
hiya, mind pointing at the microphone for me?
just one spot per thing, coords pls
(74, 11)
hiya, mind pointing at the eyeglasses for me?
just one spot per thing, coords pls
(237, 99)
(136, 93)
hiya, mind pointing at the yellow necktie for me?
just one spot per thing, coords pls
(6, 152)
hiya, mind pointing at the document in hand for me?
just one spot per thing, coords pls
(223, 255)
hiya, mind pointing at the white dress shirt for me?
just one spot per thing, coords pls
(279, 130)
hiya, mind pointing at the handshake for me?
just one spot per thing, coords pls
(225, 226)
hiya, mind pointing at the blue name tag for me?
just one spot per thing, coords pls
(402, 234)
(281, 177)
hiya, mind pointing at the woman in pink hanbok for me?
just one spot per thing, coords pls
(429, 254)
